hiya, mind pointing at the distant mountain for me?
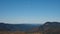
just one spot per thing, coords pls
(50, 28)
(17, 27)
(46, 28)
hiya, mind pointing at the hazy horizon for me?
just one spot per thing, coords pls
(29, 11)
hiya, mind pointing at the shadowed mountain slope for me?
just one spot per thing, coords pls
(50, 28)
(17, 27)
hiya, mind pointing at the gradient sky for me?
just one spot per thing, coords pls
(29, 11)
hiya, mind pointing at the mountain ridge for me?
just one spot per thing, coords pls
(46, 28)
(14, 27)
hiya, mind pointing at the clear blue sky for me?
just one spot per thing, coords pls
(29, 11)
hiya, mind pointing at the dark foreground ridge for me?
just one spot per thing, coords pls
(47, 28)
(50, 28)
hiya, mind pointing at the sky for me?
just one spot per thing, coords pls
(29, 11)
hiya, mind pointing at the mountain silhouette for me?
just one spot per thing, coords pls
(17, 27)
(50, 28)
(46, 28)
